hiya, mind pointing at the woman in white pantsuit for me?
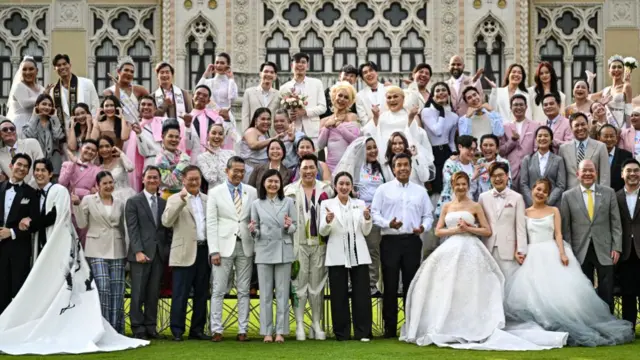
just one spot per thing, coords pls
(273, 223)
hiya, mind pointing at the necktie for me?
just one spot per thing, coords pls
(12, 151)
(237, 201)
(580, 156)
(549, 123)
(610, 159)
(154, 209)
(590, 203)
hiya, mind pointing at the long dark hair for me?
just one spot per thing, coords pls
(262, 190)
(432, 103)
(539, 88)
(256, 115)
(375, 165)
(338, 176)
(77, 129)
(388, 155)
(117, 125)
(523, 83)
(107, 139)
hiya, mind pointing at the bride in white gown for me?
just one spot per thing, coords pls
(551, 289)
(456, 297)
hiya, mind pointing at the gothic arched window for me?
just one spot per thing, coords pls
(553, 53)
(490, 59)
(278, 51)
(106, 62)
(312, 45)
(141, 55)
(6, 76)
(379, 47)
(198, 59)
(412, 51)
(36, 52)
(345, 51)
(584, 58)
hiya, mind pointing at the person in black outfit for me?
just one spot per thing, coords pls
(42, 173)
(617, 156)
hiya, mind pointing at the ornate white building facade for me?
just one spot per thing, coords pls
(397, 34)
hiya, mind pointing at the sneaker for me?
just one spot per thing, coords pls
(365, 339)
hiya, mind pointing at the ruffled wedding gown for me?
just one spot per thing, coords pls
(456, 300)
(560, 298)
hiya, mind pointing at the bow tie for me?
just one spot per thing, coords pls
(82, 165)
(374, 90)
(499, 194)
(12, 185)
(41, 192)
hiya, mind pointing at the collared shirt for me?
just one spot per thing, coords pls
(233, 188)
(199, 216)
(585, 197)
(553, 121)
(408, 203)
(299, 86)
(632, 199)
(43, 197)
(223, 91)
(543, 160)
(500, 199)
(577, 143)
(265, 96)
(457, 83)
(149, 195)
(495, 120)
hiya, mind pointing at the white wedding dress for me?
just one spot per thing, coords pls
(456, 300)
(558, 297)
(57, 311)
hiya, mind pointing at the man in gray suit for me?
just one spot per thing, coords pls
(591, 224)
(584, 148)
(148, 251)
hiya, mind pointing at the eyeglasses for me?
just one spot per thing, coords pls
(10, 129)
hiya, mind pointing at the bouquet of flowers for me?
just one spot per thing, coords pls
(630, 63)
(292, 100)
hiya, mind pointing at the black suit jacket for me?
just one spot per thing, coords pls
(24, 205)
(144, 235)
(329, 112)
(46, 220)
(630, 225)
(619, 157)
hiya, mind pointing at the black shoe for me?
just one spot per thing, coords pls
(154, 336)
(390, 335)
(177, 337)
(199, 336)
(141, 336)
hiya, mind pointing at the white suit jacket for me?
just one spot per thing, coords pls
(499, 101)
(338, 243)
(366, 98)
(223, 222)
(253, 99)
(508, 226)
(86, 94)
(317, 106)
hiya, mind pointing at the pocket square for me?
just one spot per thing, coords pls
(508, 206)
(24, 201)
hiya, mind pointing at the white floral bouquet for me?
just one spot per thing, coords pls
(292, 100)
(630, 63)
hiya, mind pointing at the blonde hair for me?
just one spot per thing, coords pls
(346, 86)
(394, 90)
(459, 175)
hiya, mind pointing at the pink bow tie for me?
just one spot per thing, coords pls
(498, 194)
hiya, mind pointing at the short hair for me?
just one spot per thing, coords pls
(262, 190)
(203, 86)
(497, 165)
(575, 116)
(103, 174)
(545, 181)
(553, 95)
(234, 159)
(466, 141)
(370, 64)
(269, 63)
(299, 56)
(518, 96)
(190, 168)
(282, 146)
(150, 168)
(170, 124)
(21, 156)
(47, 164)
(91, 141)
(422, 66)
(607, 126)
(310, 157)
(349, 69)
(490, 136)
(6, 120)
(399, 156)
(283, 112)
(163, 65)
(59, 57)
(305, 138)
(466, 90)
(630, 161)
(148, 97)
(458, 175)
(226, 56)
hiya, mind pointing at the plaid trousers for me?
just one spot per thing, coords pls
(109, 277)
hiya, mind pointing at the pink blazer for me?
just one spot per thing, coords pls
(515, 151)
(628, 140)
(561, 133)
(79, 181)
(457, 102)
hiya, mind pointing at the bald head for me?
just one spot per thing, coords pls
(456, 66)
(587, 173)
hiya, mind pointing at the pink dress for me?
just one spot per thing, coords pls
(336, 140)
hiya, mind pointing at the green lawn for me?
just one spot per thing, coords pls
(331, 349)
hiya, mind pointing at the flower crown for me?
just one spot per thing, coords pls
(125, 60)
(615, 58)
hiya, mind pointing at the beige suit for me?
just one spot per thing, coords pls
(457, 102)
(178, 214)
(105, 232)
(30, 147)
(594, 151)
(508, 228)
(317, 105)
(253, 99)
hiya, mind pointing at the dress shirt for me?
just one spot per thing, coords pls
(408, 203)
(198, 215)
(577, 143)
(519, 125)
(148, 195)
(457, 83)
(440, 130)
(299, 86)
(265, 96)
(632, 199)
(611, 154)
(224, 91)
(499, 200)
(232, 190)
(43, 196)
(585, 197)
(553, 121)
(543, 160)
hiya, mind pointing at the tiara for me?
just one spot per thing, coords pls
(615, 58)
(125, 60)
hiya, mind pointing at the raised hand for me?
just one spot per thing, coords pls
(230, 73)
(136, 128)
(183, 193)
(414, 111)
(478, 74)
(330, 216)
(395, 224)
(71, 156)
(287, 221)
(367, 212)
(491, 83)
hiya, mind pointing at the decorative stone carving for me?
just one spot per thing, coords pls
(523, 9)
(242, 32)
(448, 25)
(621, 13)
(167, 27)
(69, 14)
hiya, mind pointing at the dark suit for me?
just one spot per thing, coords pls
(619, 157)
(15, 254)
(629, 265)
(147, 235)
(46, 219)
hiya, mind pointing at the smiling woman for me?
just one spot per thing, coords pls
(24, 92)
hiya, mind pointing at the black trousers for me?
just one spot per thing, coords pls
(360, 301)
(184, 278)
(441, 154)
(14, 269)
(605, 276)
(145, 292)
(397, 252)
(630, 286)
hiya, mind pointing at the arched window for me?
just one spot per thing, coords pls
(199, 59)
(490, 59)
(584, 58)
(278, 51)
(141, 55)
(379, 50)
(6, 76)
(106, 62)
(312, 45)
(345, 51)
(553, 53)
(412, 51)
(34, 50)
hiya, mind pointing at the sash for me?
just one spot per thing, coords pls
(178, 100)
(71, 101)
(129, 108)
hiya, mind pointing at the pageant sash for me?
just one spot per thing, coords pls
(72, 100)
(178, 99)
(130, 108)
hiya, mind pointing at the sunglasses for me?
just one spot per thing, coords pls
(10, 129)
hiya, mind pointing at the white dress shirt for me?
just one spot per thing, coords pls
(457, 83)
(43, 197)
(198, 215)
(408, 203)
(499, 200)
(632, 199)
(543, 160)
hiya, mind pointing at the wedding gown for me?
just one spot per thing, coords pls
(560, 298)
(57, 311)
(456, 300)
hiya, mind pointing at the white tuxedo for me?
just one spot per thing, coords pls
(223, 225)
(338, 244)
(317, 105)
(500, 101)
(86, 94)
(366, 98)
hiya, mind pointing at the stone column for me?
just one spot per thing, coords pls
(69, 33)
(566, 87)
(395, 59)
(328, 60)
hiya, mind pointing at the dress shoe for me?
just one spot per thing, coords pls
(217, 337)
(242, 337)
(141, 336)
(154, 336)
(198, 336)
(177, 337)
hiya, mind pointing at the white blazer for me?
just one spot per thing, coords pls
(364, 103)
(223, 224)
(86, 94)
(499, 101)
(339, 241)
(317, 104)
